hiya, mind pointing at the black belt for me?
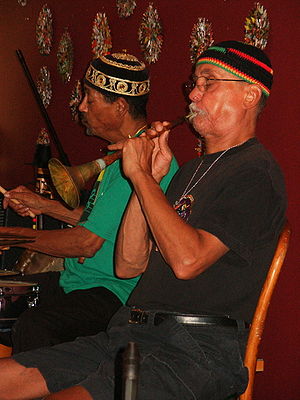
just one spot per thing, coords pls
(138, 316)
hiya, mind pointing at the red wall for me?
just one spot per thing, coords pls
(20, 119)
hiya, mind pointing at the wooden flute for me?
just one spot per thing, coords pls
(110, 158)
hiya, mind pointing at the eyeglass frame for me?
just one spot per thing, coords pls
(191, 84)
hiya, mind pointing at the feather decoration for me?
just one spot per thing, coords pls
(201, 38)
(65, 57)
(43, 85)
(150, 34)
(125, 7)
(44, 30)
(101, 37)
(75, 100)
(257, 27)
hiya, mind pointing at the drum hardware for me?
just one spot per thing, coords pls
(16, 297)
(6, 272)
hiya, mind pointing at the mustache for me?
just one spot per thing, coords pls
(82, 118)
(84, 122)
(196, 111)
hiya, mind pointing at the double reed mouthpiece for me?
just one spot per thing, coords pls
(69, 181)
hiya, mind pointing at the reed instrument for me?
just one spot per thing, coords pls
(69, 181)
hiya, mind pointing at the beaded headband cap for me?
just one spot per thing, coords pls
(119, 73)
(242, 60)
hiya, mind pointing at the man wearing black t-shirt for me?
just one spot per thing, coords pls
(204, 250)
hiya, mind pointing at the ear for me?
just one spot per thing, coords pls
(121, 106)
(252, 96)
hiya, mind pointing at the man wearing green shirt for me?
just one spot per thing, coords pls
(80, 300)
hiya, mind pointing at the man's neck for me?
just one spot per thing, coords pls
(237, 132)
(215, 145)
(132, 127)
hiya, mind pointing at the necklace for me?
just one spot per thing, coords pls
(183, 206)
(139, 131)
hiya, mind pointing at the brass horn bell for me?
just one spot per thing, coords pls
(69, 181)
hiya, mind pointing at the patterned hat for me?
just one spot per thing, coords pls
(119, 73)
(242, 60)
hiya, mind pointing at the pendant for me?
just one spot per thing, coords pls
(183, 206)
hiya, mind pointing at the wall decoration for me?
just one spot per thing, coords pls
(76, 98)
(44, 30)
(65, 57)
(257, 27)
(125, 7)
(43, 137)
(43, 85)
(201, 38)
(150, 34)
(22, 2)
(101, 37)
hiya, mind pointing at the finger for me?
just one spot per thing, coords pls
(162, 140)
(22, 208)
(29, 213)
(157, 126)
(16, 196)
(151, 132)
(117, 146)
(5, 203)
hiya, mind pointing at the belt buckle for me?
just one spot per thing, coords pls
(138, 316)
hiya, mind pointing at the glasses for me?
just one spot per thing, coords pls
(203, 82)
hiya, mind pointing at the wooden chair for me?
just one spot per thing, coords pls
(5, 351)
(258, 321)
(257, 326)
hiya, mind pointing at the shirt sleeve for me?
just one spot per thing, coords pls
(112, 197)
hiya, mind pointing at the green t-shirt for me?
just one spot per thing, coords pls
(102, 216)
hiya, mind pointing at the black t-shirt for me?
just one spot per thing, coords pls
(242, 201)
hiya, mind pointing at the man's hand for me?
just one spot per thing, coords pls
(149, 152)
(136, 155)
(28, 202)
(162, 155)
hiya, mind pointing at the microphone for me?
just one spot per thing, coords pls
(131, 364)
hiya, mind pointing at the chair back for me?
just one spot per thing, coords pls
(258, 321)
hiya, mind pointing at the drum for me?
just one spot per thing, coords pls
(16, 297)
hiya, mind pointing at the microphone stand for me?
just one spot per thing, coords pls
(131, 364)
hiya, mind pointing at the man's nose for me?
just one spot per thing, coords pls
(82, 105)
(197, 93)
